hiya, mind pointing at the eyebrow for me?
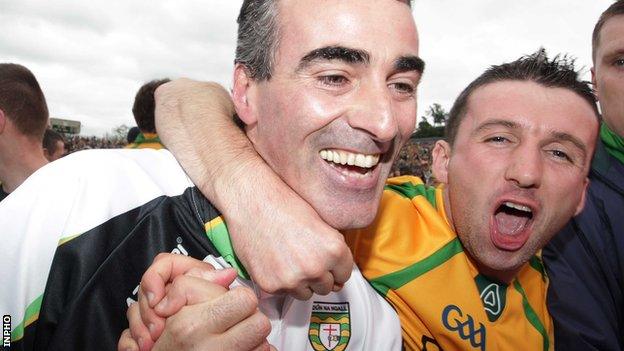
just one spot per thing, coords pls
(613, 54)
(561, 136)
(328, 53)
(409, 63)
(495, 123)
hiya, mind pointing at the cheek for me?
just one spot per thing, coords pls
(406, 120)
(564, 196)
(611, 89)
(475, 163)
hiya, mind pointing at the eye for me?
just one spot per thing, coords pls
(497, 139)
(619, 62)
(560, 155)
(404, 88)
(333, 80)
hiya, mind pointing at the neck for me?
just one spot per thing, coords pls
(613, 142)
(505, 277)
(23, 159)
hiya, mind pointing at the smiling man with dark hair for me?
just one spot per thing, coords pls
(85, 255)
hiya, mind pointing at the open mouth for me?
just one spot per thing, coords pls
(512, 222)
(512, 218)
(349, 161)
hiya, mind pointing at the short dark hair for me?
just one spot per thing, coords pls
(144, 104)
(50, 139)
(22, 100)
(258, 36)
(616, 9)
(537, 67)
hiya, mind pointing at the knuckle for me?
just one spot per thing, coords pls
(161, 256)
(269, 286)
(288, 285)
(336, 248)
(268, 282)
(178, 287)
(313, 271)
(263, 325)
(306, 295)
(246, 297)
(179, 282)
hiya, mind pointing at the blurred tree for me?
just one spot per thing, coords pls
(120, 132)
(426, 130)
(438, 114)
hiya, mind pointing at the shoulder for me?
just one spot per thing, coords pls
(410, 187)
(409, 227)
(67, 198)
(408, 204)
(112, 168)
(83, 190)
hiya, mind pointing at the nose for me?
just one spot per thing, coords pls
(374, 113)
(525, 168)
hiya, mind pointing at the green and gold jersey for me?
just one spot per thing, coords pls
(412, 256)
(146, 141)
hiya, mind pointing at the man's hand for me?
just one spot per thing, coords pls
(201, 313)
(301, 254)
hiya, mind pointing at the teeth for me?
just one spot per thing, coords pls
(518, 207)
(360, 160)
(349, 158)
(343, 158)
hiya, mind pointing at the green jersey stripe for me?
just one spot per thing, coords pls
(536, 263)
(409, 190)
(31, 315)
(532, 316)
(217, 233)
(397, 279)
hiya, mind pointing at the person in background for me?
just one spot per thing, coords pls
(53, 145)
(143, 111)
(585, 261)
(133, 133)
(23, 120)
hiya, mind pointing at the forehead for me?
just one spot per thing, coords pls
(383, 27)
(612, 35)
(537, 109)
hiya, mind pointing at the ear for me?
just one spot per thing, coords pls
(581, 204)
(3, 119)
(593, 80)
(243, 94)
(441, 156)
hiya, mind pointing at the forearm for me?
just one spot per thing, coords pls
(195, 122)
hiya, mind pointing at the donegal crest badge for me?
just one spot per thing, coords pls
(330, 326)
